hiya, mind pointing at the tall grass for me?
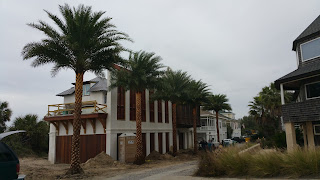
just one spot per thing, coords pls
(229, 162)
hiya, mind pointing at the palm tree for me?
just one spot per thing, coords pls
(197, 93)
(142, 72)
(217, 103)
(84, 42)
(173, 88)
(5, 114)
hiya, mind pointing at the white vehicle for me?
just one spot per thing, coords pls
(227, 142)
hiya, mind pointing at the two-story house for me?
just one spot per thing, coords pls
(305, 82)
(106, 114)
(208, 131)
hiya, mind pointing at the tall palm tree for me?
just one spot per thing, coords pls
(173, 88)
(197, 94)
(142, 72)
(5, 114)
(217, 103)
(83, 42)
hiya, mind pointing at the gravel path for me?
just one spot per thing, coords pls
(170, 172)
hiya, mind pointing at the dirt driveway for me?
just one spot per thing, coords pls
(103, 167)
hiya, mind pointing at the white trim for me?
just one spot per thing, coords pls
(314, 129)
(305, 90)
(302, 53)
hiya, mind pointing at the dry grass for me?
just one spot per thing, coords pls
(231, 163)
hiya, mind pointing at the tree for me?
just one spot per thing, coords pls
(217, 103)
(229, 131)
(142, 72)
(266, 109)
(248, 124)
(35, 138)
(197, 94)
(5, 114)
(84, 42)
(173, 88)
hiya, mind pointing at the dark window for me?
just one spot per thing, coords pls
(121, 103)
(166, 112)
(6, 154)
(143, 106)
(159, 111)
(310, 49)
(151, 107)
(313, 90)
(132, 105)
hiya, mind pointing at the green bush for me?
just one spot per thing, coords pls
(34, 141)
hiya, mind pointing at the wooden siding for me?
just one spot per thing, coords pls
(90, 146)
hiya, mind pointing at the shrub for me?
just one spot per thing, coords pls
(268, 163)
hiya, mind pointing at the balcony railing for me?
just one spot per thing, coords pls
(204, 128)
(308, 110)
(68, 108)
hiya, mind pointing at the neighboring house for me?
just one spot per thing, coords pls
(305, 82)
(106, 115)
(208, 130)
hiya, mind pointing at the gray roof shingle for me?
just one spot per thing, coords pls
(312, 30)
(301, 72)
(100, 85)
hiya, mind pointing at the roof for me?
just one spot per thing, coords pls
(304, 71)
(208, 113)
(312, 30)
(100, 85)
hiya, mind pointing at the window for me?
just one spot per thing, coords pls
(310, 50)
(121, 101)
(85, 90)
(316, 129)
(313, 90)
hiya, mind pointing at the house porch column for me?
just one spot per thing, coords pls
(52, 144)
(290, 136)
(310, 135)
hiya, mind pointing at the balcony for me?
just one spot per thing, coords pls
(88, 107)
(308, 110)
(64, 114)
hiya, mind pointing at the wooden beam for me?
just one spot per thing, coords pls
(93, 124)
(84, 125)
(56, 124)
(103, 122)
(65, 124)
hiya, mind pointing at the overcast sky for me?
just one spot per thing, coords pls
(237, 47)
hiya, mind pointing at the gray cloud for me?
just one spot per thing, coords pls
(237, 47)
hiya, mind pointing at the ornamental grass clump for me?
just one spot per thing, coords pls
(229, 162)
(302, 163)
(267, 164)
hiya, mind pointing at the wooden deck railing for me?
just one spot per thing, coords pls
(68, 108)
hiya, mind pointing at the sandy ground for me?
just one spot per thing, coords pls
(40, 168)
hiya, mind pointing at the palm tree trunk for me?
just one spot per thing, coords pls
(217, 124)
(174, 128)
(195, 143)
(139, 159)
(75, 151)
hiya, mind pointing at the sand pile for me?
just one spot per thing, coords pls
(166, 157)
(154, 155)
(101, 159)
